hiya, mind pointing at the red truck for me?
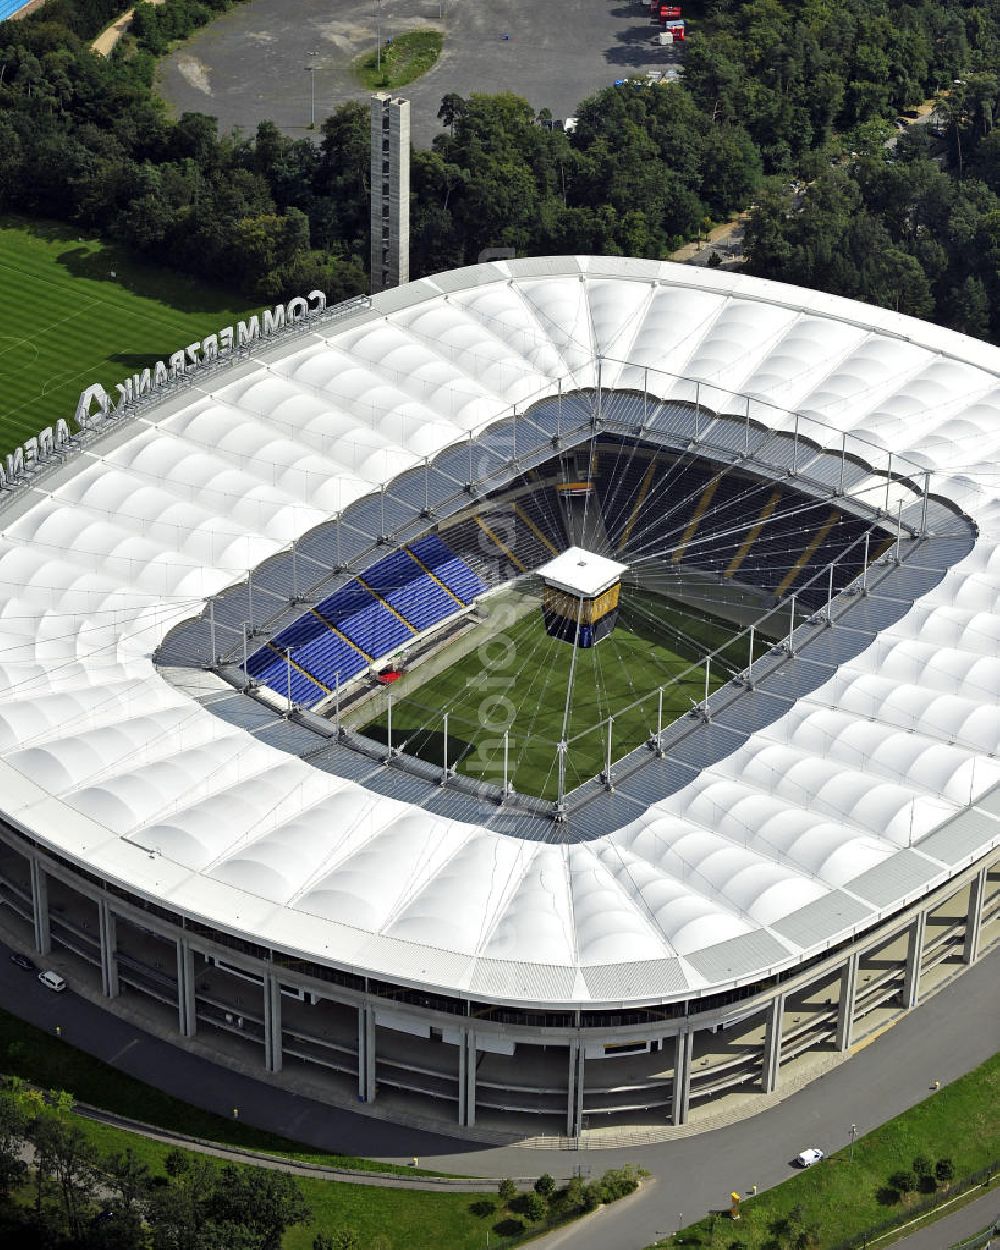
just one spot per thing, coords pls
(662, 11)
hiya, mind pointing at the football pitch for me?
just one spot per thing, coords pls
(521, 680)
(75, 311)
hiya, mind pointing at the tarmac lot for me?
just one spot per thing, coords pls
(251, 63)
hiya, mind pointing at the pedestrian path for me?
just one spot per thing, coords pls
(296, 1167)
(111, 36)
(966, 1222)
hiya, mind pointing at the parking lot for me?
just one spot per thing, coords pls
(251, 63)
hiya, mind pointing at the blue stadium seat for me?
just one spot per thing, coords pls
(374, 629)
(447, 567)
(273, 671)
(331, 659)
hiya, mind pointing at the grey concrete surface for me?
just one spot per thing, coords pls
(945, 1037)
(250, 64)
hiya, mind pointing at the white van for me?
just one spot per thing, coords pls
(52, 981)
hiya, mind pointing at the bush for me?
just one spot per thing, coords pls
(619, 1183)
(545, 1185)
(535, 1206)
(592, 1196)
(922, 1166)
(507, 1190)
(903, 1182)
(944, 1170)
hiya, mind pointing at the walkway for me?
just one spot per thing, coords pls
(111, 36)
(953, 1032)
(233, 1154)
(966, 1222)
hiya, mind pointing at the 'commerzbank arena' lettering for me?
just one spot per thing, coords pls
(95, 405)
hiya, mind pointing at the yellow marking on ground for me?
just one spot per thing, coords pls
(754, 534)
(387, 605)
(534, 528)
(434, 577)
(283, 655)
(643, 491)
(496, 541)
(808, 554)
(700, 509)
(340, 634)
(873, 1037)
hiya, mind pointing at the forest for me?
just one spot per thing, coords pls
(772, 92)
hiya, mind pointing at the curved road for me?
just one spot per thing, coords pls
(955, 1031)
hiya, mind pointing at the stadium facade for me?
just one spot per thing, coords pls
(195, 595)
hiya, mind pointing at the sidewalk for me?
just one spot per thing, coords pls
(111, 36)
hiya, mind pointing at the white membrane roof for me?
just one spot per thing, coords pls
(835, 814)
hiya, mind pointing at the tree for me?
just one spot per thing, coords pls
(545, 1185)
(903, 1182)
(65, 1158)
(535, 1206)
(342, 1239)
(507, 1191)
(264, 1202)
(13, 1137)
(970, 308)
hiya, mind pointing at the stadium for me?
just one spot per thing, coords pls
(553, 697)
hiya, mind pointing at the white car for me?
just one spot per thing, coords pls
(52, 980)
(808, 1157)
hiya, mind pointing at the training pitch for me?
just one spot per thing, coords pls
(74, 311)
(519, 680)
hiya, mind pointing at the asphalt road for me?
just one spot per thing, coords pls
(966, 1222)
(955, 1031)
(250, 63)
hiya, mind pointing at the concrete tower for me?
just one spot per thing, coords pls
(390, 254)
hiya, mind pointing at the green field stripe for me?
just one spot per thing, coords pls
(60, 331)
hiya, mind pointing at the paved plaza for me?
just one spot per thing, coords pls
(251, 63)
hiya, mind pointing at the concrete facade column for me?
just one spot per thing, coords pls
(187, 1017)
(273, 1047)
(681, 1098)
(467, 1059)
(575, 1087)
(974, 923)
(914, 956)
(366, 1054)
(772, 1045)
(108, 923)
(40, 907)
(845, 1009)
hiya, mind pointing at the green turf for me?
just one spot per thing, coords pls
(655, 643)
(843, 1197)
(65, 322)
(406, 58)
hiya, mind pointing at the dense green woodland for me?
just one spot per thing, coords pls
(771, 91)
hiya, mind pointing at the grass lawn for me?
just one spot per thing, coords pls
(842, 1198)
(44, 1060)
(654, 644)
(406, 58)
(66, 322)
(403, 1217)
